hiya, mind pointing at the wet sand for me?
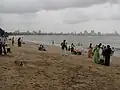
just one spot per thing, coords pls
(52, 71)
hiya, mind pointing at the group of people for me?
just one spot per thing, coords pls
(65, 47)
(5, 44)
(19, 41)
(71, 48)
(100, 54)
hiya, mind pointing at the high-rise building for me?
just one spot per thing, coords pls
(34, 32)
(99, 34)
(17, 31)
(39, 32)
(28, 32)
(116, 33)
(92, 33)
(86, 33)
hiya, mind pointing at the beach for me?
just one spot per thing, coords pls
(51, 71)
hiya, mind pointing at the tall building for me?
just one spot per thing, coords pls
(28, 32)
(99, 34)
(34, 32)
(86, 33)
(17, 31)
(92, 33)
(116, 33)
(39, 32)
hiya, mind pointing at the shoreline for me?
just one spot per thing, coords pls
(57, 43)
(58, 46)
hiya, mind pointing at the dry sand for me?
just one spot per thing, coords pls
(51, 71)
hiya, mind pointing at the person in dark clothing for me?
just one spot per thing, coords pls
(99, 46)
(41, 48)
(72, 47)
(107, 55)
(19, 42)
(64, 45)
(69, 48)
(103, 50)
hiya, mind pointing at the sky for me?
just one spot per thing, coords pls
(60, 15)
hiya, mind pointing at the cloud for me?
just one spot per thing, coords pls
(59, 15)
(29, 6)
(96, 12)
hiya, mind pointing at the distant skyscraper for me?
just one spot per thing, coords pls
(116, 33)
(39, 32)
(92, 33)
(34, 32)
(80, 33)
(17, 31)
(99, 34)
(28, 32)
(86, 33)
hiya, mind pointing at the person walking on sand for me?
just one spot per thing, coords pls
(90, 51)
(12, 41)
(19, 42)
(96, 54)
(108, 52)
(64, 46)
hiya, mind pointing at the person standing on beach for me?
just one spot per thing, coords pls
(96, 54)
(12, 41)
(72, 47)
(90, 51)
(19, 42)
(64, 46)
(108, 52)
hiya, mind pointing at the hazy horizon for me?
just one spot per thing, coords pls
(60, 15)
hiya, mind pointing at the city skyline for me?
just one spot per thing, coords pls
(85, 33)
